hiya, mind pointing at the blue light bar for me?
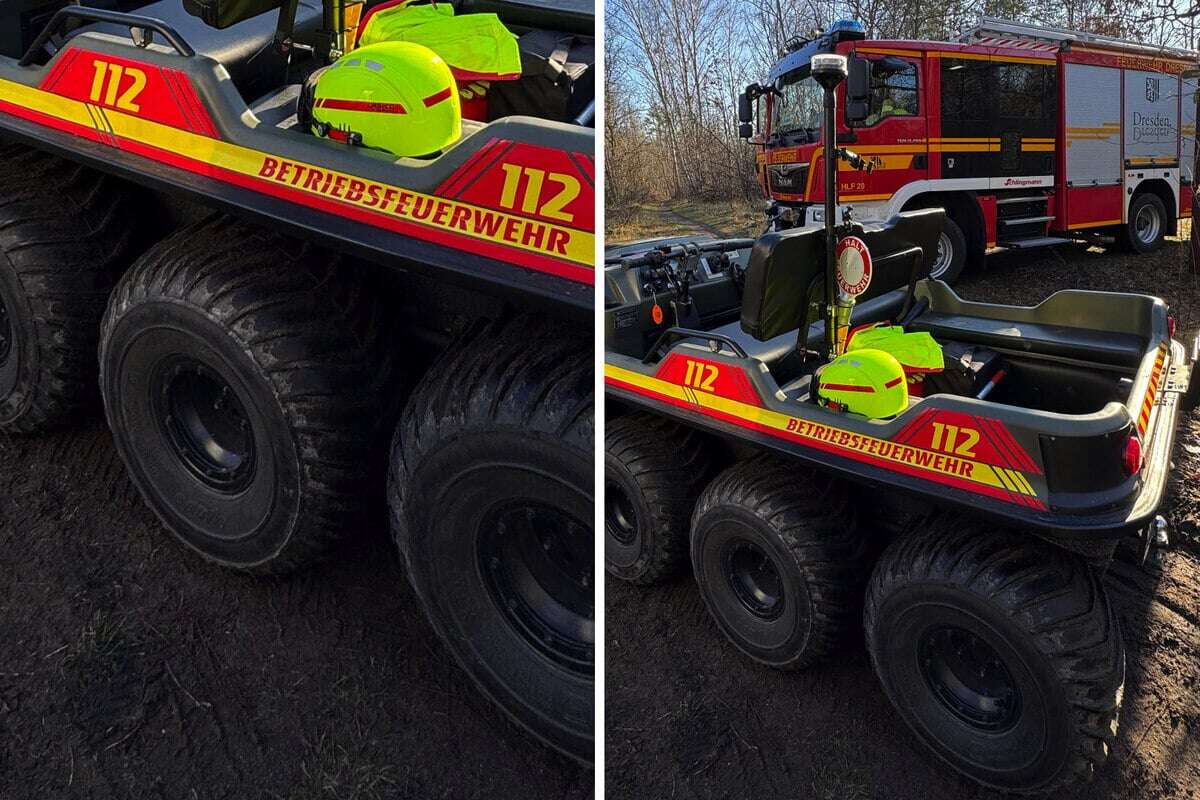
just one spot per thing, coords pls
(847, 29)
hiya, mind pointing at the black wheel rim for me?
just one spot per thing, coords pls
(969, 678)
(619, 514)
(205, 424)
(6, 333)
(754, 578)
(537, 563)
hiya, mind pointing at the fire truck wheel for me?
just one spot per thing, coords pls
(1147, 224)
(491, 495)
(779, 561)
(59, 258)
(243, 396)
(999, 651)
(654, 470)
(951, 254)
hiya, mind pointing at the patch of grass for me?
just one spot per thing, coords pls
(102, 640)
(336, 768)
(843, 773)
(682, 218)
(728, 218)
(633, 223)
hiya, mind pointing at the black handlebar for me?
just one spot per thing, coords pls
(102, 15)
(671, 335)
(678, 251)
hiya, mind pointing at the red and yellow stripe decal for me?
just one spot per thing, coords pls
(1100, 223)
(886, 156)
(1004, 483)
(977, 56)
(335, 104)
(142, 110)
(1156, 376)
(964, 144)
(1101, 133)
(987, 144)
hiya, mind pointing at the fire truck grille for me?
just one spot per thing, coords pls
(788, 178)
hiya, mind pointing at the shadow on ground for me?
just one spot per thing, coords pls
(130, 668)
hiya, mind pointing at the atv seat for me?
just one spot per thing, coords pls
(1081, 344)
(244, 49)
(781, 355)
(787, 265)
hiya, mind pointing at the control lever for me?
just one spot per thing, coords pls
(671, 269)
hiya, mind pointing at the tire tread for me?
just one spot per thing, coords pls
(671, 464)
(813, 514)
(1052, 595)
(332, 347)
(527, 374)
(65, 253)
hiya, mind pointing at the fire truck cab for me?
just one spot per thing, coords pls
(1026, 135)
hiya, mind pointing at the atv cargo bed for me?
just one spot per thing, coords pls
(1045, 449)
(176, 121)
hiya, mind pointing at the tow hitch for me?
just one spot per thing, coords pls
(1156, 541)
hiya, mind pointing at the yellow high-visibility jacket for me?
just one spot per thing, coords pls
(475, 46)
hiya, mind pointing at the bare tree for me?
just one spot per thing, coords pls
(675, 68)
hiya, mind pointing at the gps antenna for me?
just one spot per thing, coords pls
(829, 70)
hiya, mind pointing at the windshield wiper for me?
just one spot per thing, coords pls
(809, 133)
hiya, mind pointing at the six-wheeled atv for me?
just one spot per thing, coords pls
(272, 308)
(966, 528)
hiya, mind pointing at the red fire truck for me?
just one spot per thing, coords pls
(1026, 135)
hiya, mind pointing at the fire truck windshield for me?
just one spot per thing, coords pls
(798, 107)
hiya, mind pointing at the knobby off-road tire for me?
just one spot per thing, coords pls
(958, 599)
(654, 470)
(780, 561)
(240, 373)
(491, 493)
(66, 232)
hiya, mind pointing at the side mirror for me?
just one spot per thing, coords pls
(745, 130)
(745, 109)
(858, 90)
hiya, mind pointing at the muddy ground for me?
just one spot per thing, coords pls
(689, 717)
(129, 668)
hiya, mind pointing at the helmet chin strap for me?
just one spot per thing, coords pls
(327, 131)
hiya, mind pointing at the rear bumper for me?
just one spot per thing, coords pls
(1156, 451)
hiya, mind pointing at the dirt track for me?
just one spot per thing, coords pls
(130, 668)
(689, 717)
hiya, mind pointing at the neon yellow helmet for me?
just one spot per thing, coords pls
(394, 96)
(867, 382)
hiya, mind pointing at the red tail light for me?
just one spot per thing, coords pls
(1171, 325)
(1133, 456)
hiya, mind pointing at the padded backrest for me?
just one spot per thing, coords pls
(245, 49)
(784, 264)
